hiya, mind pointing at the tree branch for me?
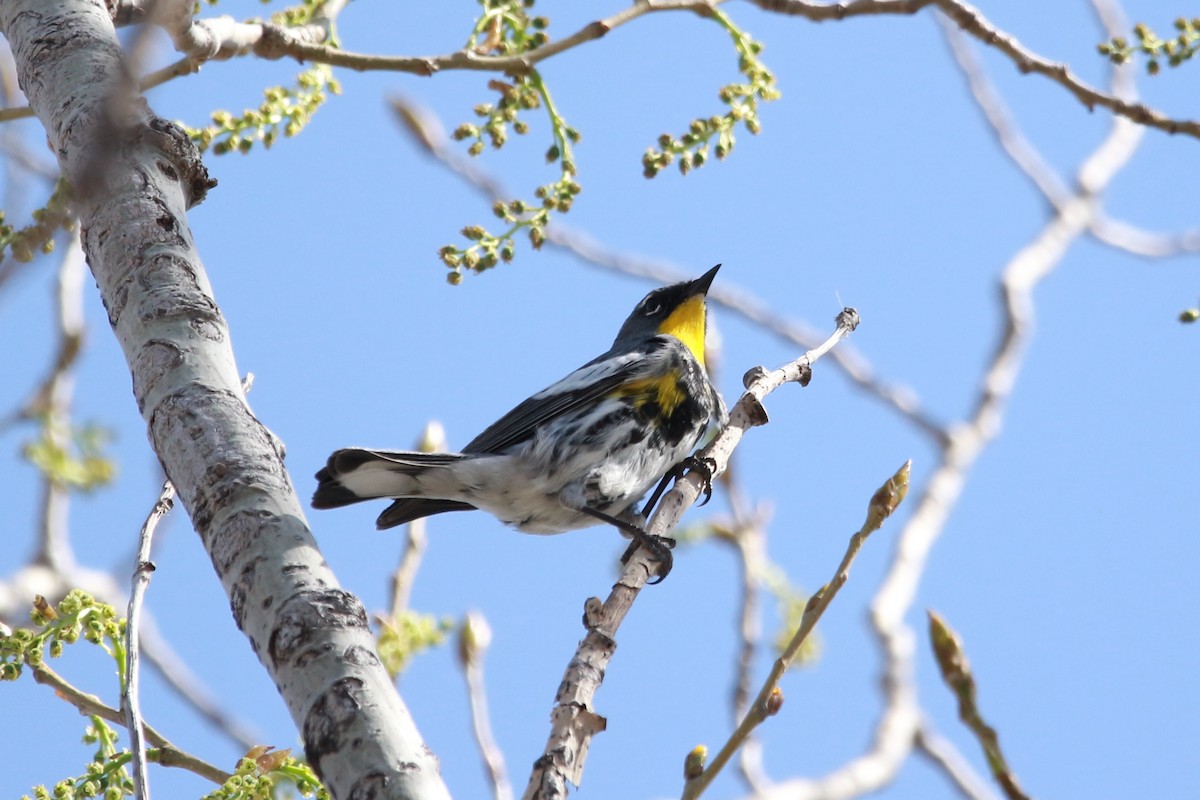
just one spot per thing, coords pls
(89, 704)
(974, 23)
(131, 692)
(134, 176)
(770, 698)
(942, 754)
(573, 723)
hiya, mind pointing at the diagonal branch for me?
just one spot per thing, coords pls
(573, 722)
(883, 503)
(89, 704)
(135, 175)
(977, 25)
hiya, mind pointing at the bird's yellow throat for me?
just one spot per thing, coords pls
(686, 323)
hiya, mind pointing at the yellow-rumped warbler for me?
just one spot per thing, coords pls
(577, 453)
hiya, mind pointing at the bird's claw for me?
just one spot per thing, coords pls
(660, 552)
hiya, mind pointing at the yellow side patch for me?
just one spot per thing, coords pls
(686, 323)
(665, 391)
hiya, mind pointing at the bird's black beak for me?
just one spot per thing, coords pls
(701, 284)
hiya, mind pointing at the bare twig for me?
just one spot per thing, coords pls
(433, 440)
(88, 704)
(474, 638)
(974, 23)
(1139, 242)
(177, 69)
(223, 37)
(1008, 135)
(1112, 232)
(573, 723)
(950, 762)
(143, 567)
(748, 535)
(956, 672)
(769, 698)
(130, 697)
(176, 673)
(52, 402)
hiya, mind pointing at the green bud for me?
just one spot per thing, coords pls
(474, 638)
(693, 764)
(888, 497)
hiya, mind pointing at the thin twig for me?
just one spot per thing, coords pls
(974, 23)
(130, 690)
(223, 37)
(433, 440)
(573, 723)
(1112, 232)
(956, 672)
(748, 535)
(177, 69)
(130, 695)
(769, 698)
(51, 402)
(177, 675)
(1004, 128)
(1139, 242)
(474, 638)
(89, 704)
(950, 762)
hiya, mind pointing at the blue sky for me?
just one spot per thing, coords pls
(1067, 565)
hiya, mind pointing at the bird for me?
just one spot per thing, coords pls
(580, 452)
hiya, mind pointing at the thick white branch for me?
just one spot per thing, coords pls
(134, 176)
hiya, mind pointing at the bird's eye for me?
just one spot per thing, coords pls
(650, 307)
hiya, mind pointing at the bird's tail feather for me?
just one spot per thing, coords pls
(354, 475)
(407, 509)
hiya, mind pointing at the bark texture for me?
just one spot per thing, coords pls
(134, 175)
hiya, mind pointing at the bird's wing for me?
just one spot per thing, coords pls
(585, 385)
